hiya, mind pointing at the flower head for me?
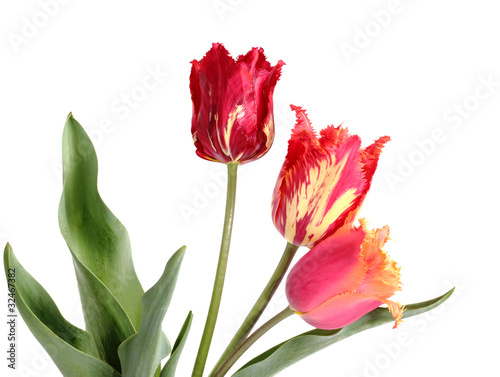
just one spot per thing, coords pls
(344, 277)
(323, 181)
(233, 105)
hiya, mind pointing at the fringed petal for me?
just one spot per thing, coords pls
(370, 156)
(321, 183)
(232, 105)
(396, 309)
(383, 277)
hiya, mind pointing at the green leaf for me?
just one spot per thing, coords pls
(171, 365)
(287, 353)
(109, 288)
(70, 347)
(141, 354)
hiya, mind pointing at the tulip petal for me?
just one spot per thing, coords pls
(215, 83)
(329, 269)
(382, 279)
(370, 156)
(396, 309)
(369, 160)
(333, 137)
(340, 311)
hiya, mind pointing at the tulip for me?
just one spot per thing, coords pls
(344, 277)
(323, 182)
(233, 118)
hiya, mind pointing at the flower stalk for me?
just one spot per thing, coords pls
(213, 311)
(248, 342)
(260, 305)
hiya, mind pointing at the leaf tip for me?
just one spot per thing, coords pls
(7, 251)
(7, 257)
(70, 120)
(181, 252)
(449, 293)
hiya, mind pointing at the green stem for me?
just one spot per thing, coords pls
(260, 305)
(213, 311)
(247, 343)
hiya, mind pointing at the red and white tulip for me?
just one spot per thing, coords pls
(323, 181)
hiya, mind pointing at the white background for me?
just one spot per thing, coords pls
(412, 70)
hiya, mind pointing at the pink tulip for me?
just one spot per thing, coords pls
(344, 277)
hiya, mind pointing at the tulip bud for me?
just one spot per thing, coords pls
(233, 105)
(344, 277)
(323, 182)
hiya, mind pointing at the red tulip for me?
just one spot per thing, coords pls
(344, 277)
(323, 182)
(233, 105)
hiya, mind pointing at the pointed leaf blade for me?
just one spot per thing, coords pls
(171, 364)
(109, 320)
(141, 354)
(289, 352)
(109, 288)
(70, 348)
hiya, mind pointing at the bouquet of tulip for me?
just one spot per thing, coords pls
(336, 287)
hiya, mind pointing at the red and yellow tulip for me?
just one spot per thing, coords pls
(344, 277)
(233, 105)
(323, 181)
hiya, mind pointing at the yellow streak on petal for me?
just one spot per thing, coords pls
(311, 199)
(269, 132)
(320, 223)
(290, 223)
(216, 117)
(233, 115)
